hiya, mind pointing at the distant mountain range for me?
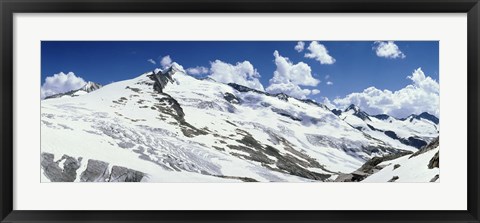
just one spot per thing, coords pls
(167, 126)
(87, 88)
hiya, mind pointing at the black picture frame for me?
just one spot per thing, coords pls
(9, 7)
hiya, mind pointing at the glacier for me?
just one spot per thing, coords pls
(167, 126)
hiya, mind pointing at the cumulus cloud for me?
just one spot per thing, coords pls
(289, 89)
(197, 70)
(388, 50)
(329, 83)
(320, 53)
(300, 46)
(152, 61)
(328, 103)
(166, 61)
(288, 77)
(315, 91)
(242, 73)
(61, 83)
(422, 95)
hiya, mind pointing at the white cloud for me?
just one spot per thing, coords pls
(197, 70)
(315, 91)
(423, 95)
(320, 53)
(328, 103)
(241, 73)
(178, 67)
(300, 46)
(289, 89)
(152, 61)
(299, 74)
(61, 83)
(329, 83)
(288, 78)
(166, 61)
(388, 50)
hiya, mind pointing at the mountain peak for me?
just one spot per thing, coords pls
(87, 88)
(358, 112)
(352, 107)
(427, 116)
(91, 86)
(163, 77)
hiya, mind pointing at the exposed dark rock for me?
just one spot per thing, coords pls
(231, 98)
(122, 174)
(244, 179)
(285, 163)
(242, 88)
(391, 134)
(426, 115)
(435, 178)
(55, 173)
(337, 112)
(231, 123)
(432, 145)
(411, 141)
(372, 163)
(288, 163)
(169, 106)
(312, 102)
(394, 178)
(136, 90)
(126, 145)
(91, 86)
(265, 104)
(415, 142)
(285, 114)
(359, 128)
(357, 112)
(282, 96)
(373, 128)
(370, 167)
(174, 108)
(396, 166)
(382, 116)
(162, 78)
(218, 148)
(88, 87)
(97, 171)
(70, 167)
(434, 162)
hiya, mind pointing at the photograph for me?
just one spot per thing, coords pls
(298, 111)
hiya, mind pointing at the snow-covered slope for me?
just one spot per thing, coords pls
(419, 167)
(410, 133)
(173, 127)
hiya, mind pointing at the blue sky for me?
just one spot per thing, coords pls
(357, 64)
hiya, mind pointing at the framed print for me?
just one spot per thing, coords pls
(201, 111)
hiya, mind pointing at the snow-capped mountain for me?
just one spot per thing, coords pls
(167, 126)
(410, 133)
(87, 88)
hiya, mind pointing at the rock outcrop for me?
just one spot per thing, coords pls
(370, 167)
(62, 170)
(65, 170)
